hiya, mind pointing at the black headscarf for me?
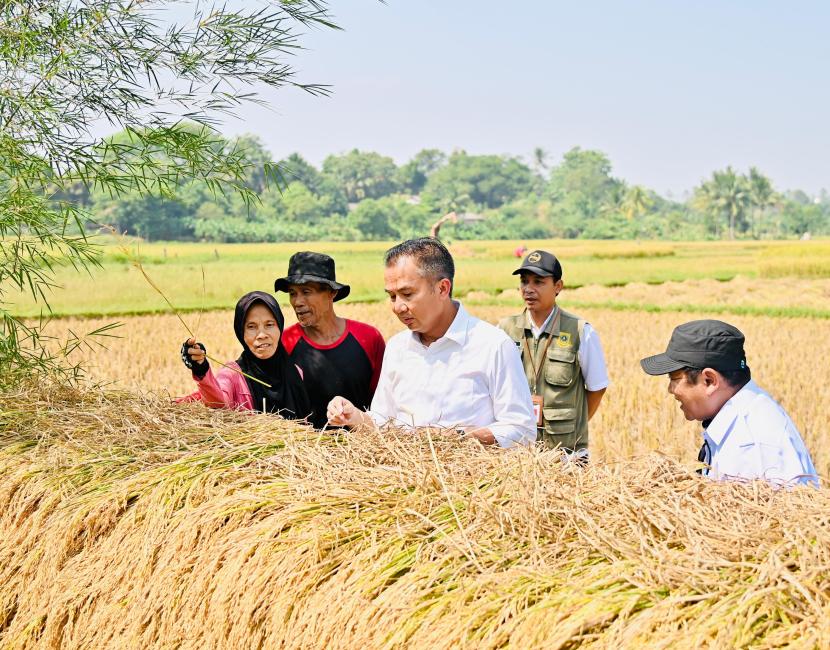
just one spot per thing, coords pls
(287, 395)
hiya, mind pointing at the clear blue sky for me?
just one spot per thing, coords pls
(669, 90)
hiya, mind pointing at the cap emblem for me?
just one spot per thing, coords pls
(534, 257)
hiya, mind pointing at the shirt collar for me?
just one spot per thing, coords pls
(458, 328)
(529, 324)
(736, 405)
(457, 331)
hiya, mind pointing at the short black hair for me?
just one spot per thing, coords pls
(432, 257)
(735, 378)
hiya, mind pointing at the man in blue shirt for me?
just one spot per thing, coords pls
(747, 434)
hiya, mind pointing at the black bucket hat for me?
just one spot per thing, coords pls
(700, 344)
(307, 266)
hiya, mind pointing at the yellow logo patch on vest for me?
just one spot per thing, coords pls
(564, 340)
(534, 257)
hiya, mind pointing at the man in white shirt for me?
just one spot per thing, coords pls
(747, 435)
(450, 369)
(563, 360)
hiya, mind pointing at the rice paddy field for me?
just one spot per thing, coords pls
(212, 276)
(127, 521)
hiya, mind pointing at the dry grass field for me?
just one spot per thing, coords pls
(741, 294)
(790, 357)
(127, 521)
(134, 523)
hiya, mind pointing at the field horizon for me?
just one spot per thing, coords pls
(199, 276)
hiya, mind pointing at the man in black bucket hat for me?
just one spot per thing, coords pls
(305, 267)
(338, 356)
(746, 433)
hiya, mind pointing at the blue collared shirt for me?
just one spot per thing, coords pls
(752, 437)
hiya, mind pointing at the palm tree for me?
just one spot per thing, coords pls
(635, 204)
(540, 160)
(725, 195)
(761, 197)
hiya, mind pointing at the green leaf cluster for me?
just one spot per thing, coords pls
(68, 67)
(362, 195)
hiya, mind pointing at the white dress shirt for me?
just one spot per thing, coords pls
(470, 377)
(753, 437)
(590, 354)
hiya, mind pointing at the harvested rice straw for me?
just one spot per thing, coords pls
(129, 522)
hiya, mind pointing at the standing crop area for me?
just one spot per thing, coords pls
(637, 415)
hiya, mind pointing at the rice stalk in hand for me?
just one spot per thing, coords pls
(135, 259)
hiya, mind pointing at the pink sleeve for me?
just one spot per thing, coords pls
(193, 397)
(228, 389)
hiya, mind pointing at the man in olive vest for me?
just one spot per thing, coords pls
(562, 357)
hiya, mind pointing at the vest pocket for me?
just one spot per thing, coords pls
(560, 366)
(559, 421)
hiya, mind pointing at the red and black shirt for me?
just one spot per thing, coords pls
(349, 367)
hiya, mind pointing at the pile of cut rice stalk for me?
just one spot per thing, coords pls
(129, 522)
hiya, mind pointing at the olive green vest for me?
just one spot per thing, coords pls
(561, 384)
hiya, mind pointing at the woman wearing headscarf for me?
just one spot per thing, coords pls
(262, 378)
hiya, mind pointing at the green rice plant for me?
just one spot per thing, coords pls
(483, 270)
(643, 251)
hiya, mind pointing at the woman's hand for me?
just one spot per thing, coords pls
(194, 356)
